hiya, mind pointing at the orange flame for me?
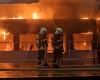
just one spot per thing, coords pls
(35, 16)
(98, 18)
(4, 33)
(84, 18)
(20, 17)
(14, 18)
(84, 43)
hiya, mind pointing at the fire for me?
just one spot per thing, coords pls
(9, 46)
(98, 18)
(20, 17)
(87, 33)
(14, 18)
(84, 43)
(85, 18)
(35, 16)
(4, 33)
(3, 18)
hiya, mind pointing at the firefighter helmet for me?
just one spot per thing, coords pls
(58, 30)
(43, 30)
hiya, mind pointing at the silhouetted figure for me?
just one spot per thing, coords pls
(42, 47)
(57, 43)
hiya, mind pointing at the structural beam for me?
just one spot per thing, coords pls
(17, 1)
(16, 42)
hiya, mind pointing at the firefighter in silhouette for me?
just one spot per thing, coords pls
(57, 43)
(42, 47)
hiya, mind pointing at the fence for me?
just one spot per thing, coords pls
(73, 59)
(29, 49)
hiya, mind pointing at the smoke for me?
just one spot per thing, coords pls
(74, 8)
(26, 10)
(49, 9)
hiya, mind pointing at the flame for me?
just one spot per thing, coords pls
(3, 18)
(98, 18)
(14, 18)
(35, 16)
(9, 46)
(87, 33)
(4, 33)
(84, 43)
(20, 17)
(85, 18)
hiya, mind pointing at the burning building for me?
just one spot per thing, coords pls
(20, 23)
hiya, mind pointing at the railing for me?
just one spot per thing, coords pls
(75, 56)
(72, 59)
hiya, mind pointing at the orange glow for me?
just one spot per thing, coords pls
(84, 43)
(20, 17)
(89, 33)
(14, 18)
(3, 18)
(85, 18)
(35, 15)
(98, 18)
(9, 46)
(4, 33)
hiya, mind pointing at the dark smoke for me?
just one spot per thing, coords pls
(50, 9)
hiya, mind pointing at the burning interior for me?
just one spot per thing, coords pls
(21, 34)
(21, 22)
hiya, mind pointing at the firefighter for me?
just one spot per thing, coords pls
(57, 43)
(42, 47)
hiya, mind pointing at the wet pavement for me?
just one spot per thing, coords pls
(70, 66)
(26, 70)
